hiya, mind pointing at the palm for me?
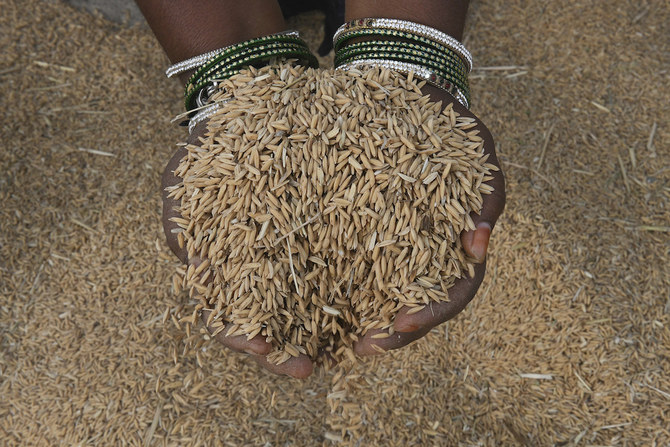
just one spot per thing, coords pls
(408, 327)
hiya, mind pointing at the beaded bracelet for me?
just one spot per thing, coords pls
(201, 59)
(404, 26)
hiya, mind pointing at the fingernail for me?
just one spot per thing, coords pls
(466, 239)
(480, 241)
(407, 327)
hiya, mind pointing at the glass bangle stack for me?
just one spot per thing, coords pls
(405, 47)
(228, 61)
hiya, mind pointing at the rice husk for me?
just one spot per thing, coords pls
(578, 269)
(321, 202)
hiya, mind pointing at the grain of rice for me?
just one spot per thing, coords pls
(316, 228)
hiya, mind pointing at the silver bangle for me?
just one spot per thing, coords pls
(194, 62)
(409, 27)
(202, 115)
(405, 68)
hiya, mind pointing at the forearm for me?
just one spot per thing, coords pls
(447, 16)
(186, 28)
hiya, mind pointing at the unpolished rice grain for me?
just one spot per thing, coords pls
(323, 202)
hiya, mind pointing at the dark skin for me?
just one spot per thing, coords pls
(186, 29)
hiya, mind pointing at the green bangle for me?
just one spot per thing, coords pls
(225, 73)
(233, 59)
(450, 58)
(361, 32)
(253, 43)
(455, 67)
(249, 59)
(445, 72)
(192, 90)
(419, 72)
(416, 29)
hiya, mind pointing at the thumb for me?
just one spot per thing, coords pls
(476, 242)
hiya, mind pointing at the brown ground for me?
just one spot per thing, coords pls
(577, 291)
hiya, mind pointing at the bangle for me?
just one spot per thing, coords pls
(395, 35)
(418, 70)
(453, 68)
(259, 44)
(429, 46)
(445, 70)
(195, 86)
(406, 47)
(202, 115)
(446, 58)
(230, 60)
(196, 61)
(404, 26)
(434, 75)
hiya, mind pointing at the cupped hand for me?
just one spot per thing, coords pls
(257, 348)
(410, 327)
(407, 327)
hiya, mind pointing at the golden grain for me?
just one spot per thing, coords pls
(311, 222)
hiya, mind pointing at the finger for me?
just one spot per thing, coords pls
(170, 205)
(435, 313)
(238, 343)
(300, 367)
(371, 345)
(494, 203)
(476, 243)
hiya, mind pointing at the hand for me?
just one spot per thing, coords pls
(257, 348)
(408, 327)
(411, 327)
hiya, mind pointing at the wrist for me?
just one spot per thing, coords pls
(407, 47)
(447, 16)
(186, 29)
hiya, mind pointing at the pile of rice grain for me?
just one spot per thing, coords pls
(321, 202)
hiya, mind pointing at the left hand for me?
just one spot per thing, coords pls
(411, 327)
